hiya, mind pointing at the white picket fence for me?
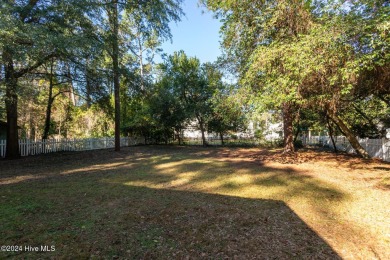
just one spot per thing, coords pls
(376, 148)
(30, 147)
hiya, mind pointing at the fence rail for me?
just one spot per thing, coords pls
(30, 147)
(376, 148)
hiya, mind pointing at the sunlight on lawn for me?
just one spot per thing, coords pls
(154, 189)
(220, 177)
(96, 167)
(294, 188)
(319, 203)
(204, 175)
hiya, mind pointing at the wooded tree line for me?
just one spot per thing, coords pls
(85, 68)
(84, 48)
(324, 57)
(72, 68)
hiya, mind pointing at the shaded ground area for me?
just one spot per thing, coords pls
(172, 202)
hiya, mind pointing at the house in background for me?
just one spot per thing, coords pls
(274, 131)
(271, 131)
(3, 130)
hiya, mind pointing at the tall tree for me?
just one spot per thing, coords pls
(31, 33)
(249, 26)
(49, 101)
(113, 18)
(154, 14)
(308, 52)
(194, 84)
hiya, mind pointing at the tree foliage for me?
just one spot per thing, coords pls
(322, 55)
(79, 68)
(90, 36)
(186, 92)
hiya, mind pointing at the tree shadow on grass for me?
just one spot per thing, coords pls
(139, 222)
(186, 169)
(180, 168)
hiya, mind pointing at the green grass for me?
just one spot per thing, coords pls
(167, 202)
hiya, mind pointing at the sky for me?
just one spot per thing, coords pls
(197, 33)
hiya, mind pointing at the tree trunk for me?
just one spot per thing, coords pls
(71, 88)
(115, 61)
(11, 98)
(178, 136)
(222, 141)
(350, 136)
(331, 134)
(288, 128)
(48, 117)
(11, 104)
(204, 141)
(49, 104)
(202, 130)
(88, 87)
(141, 63)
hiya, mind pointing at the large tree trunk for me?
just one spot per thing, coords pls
(49, 104)
(288, 128)
(350, 136)
(115, 61)
(11, 104)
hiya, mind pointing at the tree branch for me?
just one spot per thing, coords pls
(67, 91)
(24, 71)
(360, 112)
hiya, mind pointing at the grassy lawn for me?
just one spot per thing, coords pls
(173, 202)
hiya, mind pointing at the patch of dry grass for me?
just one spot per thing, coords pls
(174, 202)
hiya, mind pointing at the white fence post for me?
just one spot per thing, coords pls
(386, 149)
